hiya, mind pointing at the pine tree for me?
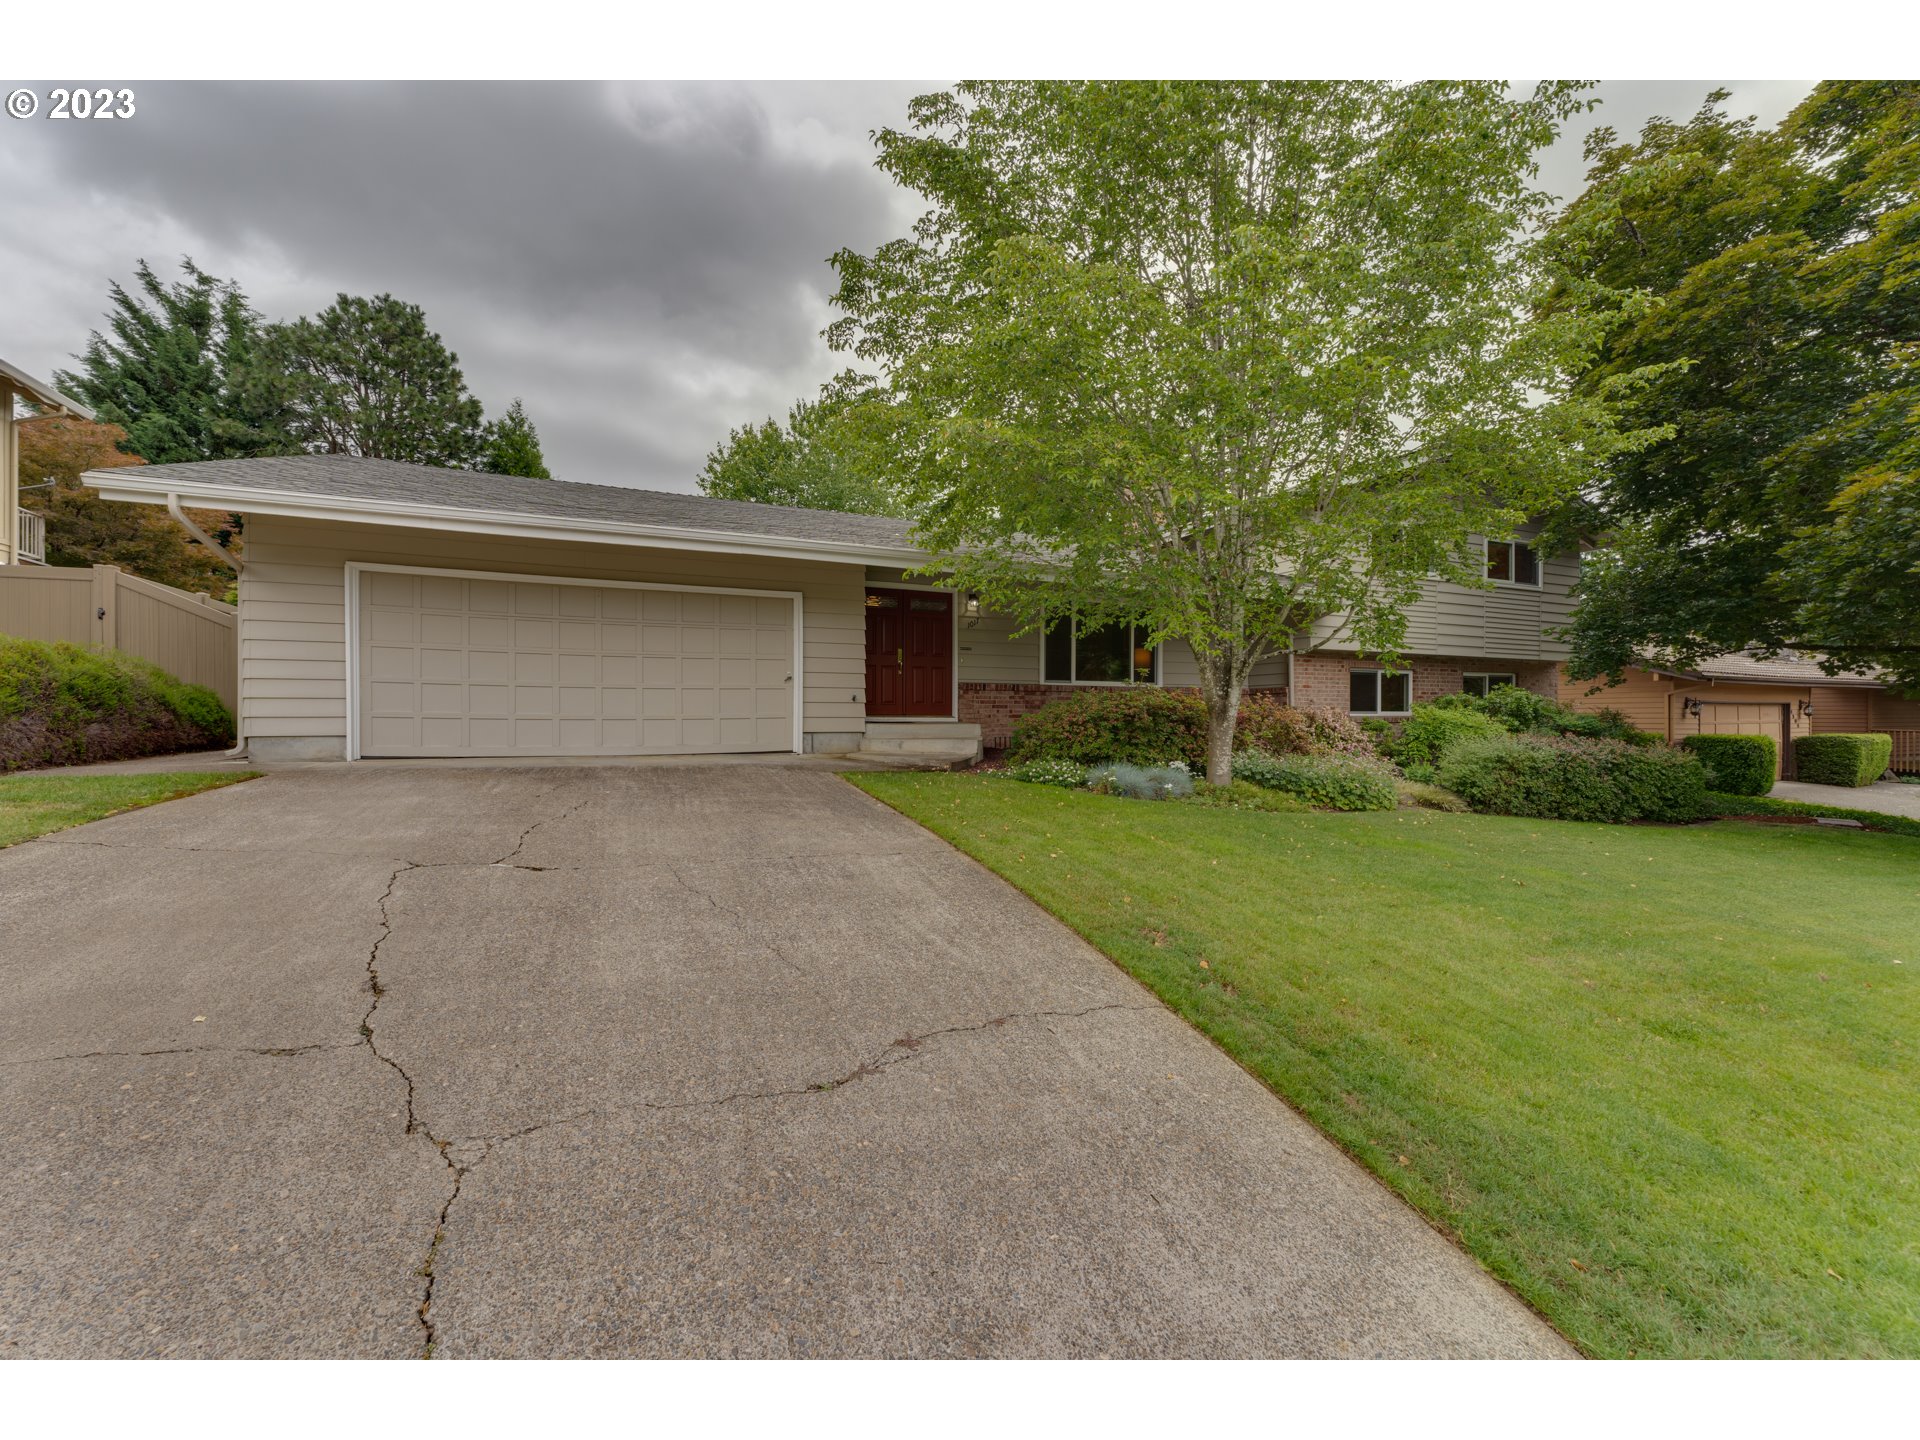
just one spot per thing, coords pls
(513, 446)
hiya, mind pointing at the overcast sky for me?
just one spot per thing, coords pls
(644, 265)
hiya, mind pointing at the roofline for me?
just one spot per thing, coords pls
(130, 486)
(42, 393)
(1864, 682)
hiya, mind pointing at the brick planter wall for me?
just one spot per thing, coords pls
(994, 707)
(1320, 680)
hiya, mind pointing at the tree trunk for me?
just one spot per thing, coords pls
(1223, 709)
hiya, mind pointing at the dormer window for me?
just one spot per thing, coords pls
(1512, 562)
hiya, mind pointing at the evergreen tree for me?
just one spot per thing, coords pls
(367, 377)
(169, 370)
(513, 446)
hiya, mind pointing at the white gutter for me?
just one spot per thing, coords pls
(173, 509)
(121, 484)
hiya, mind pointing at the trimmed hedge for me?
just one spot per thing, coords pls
(1851, 760)
(1145, 725)
(1573, 778)
(64, 704)
(1736, 764)
(1735, 806)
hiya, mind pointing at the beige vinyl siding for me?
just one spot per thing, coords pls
(1507, 622)
(293, 678)
(1641, 696)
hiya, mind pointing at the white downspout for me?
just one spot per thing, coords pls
(173, 509)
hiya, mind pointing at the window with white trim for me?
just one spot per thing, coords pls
(1512, 562)
(1480, 684)
(1099, 655)
(1380, 692)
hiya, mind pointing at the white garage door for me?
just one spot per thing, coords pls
(458, 666)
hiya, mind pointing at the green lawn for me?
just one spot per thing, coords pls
(1663, 1082)
(35, 804)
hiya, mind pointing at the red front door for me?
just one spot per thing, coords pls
(909, 652)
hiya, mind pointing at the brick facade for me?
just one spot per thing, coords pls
(994, 707)
(1320, 680)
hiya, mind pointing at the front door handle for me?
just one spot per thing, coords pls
(900, 657)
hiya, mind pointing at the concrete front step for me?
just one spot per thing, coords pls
(934, 741)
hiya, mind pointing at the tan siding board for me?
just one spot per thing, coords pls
(1839, 709)
(1891, 712)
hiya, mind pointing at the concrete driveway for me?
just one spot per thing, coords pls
(639, 1062)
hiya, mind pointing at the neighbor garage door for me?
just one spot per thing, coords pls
(1723, 718)
(459, 666)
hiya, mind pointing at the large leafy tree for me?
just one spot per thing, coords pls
(367, 377)
(170, 370)
(812, 461)
(1783, 510)
(512, 446)
(83, 529)
(1223, 358)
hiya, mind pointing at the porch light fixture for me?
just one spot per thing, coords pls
(970, 607)
(1690, 707)
(1806, 709)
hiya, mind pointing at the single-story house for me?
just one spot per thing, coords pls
(389, 609)
(1783, 697)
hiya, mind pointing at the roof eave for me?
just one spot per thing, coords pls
(127, 485)
(41, 393)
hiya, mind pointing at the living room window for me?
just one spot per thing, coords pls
(1099, 655)
(1481, 684)
(1512, 562)
(1380, 692)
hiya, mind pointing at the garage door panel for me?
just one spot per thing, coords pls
(439, 592)
(489, 597)
(455, 666)
(492, 631)
(384, 589)
(439, 628)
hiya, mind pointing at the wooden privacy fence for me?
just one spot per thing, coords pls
(190, 636)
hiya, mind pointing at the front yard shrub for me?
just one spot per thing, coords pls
(1065, 773)
(1145, 725)
(1430, 729)
(1157, 782)
(1333, 782)
(67, 705)
(1573, 778)
(1851, 760)
(1135, 725)
(1523, 712)
(1736, 764)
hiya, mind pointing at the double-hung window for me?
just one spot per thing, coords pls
(1380, 692)
(1079, 654)
(1481, 684)
(1512, 562)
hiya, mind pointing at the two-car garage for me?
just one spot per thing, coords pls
(450, 663)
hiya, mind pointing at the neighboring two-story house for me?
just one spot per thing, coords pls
(400, 610)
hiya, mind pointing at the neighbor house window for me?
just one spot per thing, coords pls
(1079, 654)
(1481, 684)
(1512, 562)
(1380, 692)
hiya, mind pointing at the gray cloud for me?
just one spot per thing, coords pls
(644, 264)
